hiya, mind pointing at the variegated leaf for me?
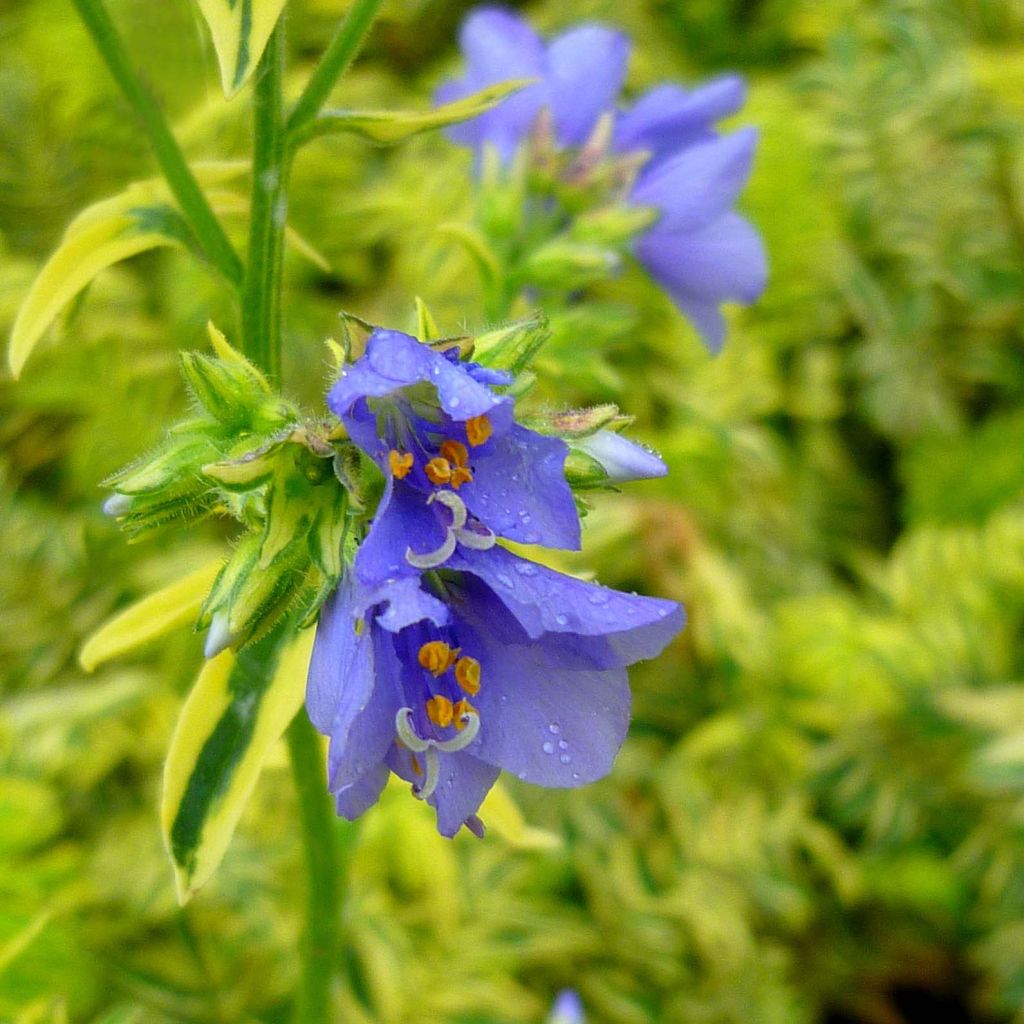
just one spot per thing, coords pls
(240, 30)
(238, 709)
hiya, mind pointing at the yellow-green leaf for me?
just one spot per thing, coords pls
(387, 127)
(236, 712)
(167, 609)
(240, 30)
(140, 218)
(502, 816)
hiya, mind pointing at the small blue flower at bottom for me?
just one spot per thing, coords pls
(567, 1008)
(493, 662)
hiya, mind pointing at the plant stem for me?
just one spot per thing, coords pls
(337, 57)
(207, 229)
(320, 939)
(261, 293)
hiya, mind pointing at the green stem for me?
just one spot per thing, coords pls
(320, 940)
(261, 293)
(335, 60)
(207, 229)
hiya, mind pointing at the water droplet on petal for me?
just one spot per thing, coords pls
(454, 401)
(561, 619)
(526, 517)
(554, 728)
(565, 758)
(504, 580)
(548, 747)
(576, 776)
(598, 597)
(526, 569)
(532, 538)
(562, 745)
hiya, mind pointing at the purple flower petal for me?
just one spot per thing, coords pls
(350, 801)
(668, 117)
(698, 185)
(403, 521)
(586, 67)
(545, 601)
(394, 360)
(548, 725)
(519, 490)
(700, 269)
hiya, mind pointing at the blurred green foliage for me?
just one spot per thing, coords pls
(819, 815)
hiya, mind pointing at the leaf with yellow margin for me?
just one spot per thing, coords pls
(501, 815)
(155, 615)
(240, 30)
(236, 712)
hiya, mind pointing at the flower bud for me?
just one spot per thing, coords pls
(623, 460)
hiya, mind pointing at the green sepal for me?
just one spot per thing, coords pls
(612, 225)
(230, 391)
(583, 472)
(513, 347)
(166, 469)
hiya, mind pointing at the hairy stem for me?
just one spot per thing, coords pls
(261, 293)
(320, 940)
(205, 226)
(334, 62)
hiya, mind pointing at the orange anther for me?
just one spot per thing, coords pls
(399, 463)
(478, 429)
(440, 711)
(459, 711)
(437, 657)
(455, 452)
(460, 476)
(438, 471)
(467, 674)
(416, 767)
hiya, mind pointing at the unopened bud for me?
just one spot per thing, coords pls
(623, 460)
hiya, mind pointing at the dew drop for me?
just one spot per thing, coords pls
(525, 516)
(504, 580)
(561, 619)
(564, 758)
(562, 745)
(532, 538)
(548, 747)
(576, 776)
(554, 728)
(454, 401)
(526, 569)
(598, 597)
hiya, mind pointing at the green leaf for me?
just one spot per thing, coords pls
(236, 712)
(386, 127)
(140, 218)
(240, 30)
(159, 613)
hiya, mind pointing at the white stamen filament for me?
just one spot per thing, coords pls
(455, 504)
(476, 541)
(432, 559)
(471, 726)
(407, 734)
(426, 791)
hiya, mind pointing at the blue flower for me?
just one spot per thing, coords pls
(492, 663)
(567, 1008)
(459, 470)
(699, 250)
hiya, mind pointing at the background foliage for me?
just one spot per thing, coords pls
(820, 813)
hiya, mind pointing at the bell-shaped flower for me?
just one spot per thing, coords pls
(699, 250)
(459, 470)
(494, 662)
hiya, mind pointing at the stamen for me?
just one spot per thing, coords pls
(479, 538)
(399, 463)
(437, 657)
(426, 791)
(454, 504)
(440, 711)
(407, 734)
(467, 675)
(432, 559)
(455, 452)
(438, 471)
(468, 725)
(478, 429)
(416, 766)
(460, 476)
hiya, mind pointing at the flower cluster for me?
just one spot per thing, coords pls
(664, 150)
(443, 657)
